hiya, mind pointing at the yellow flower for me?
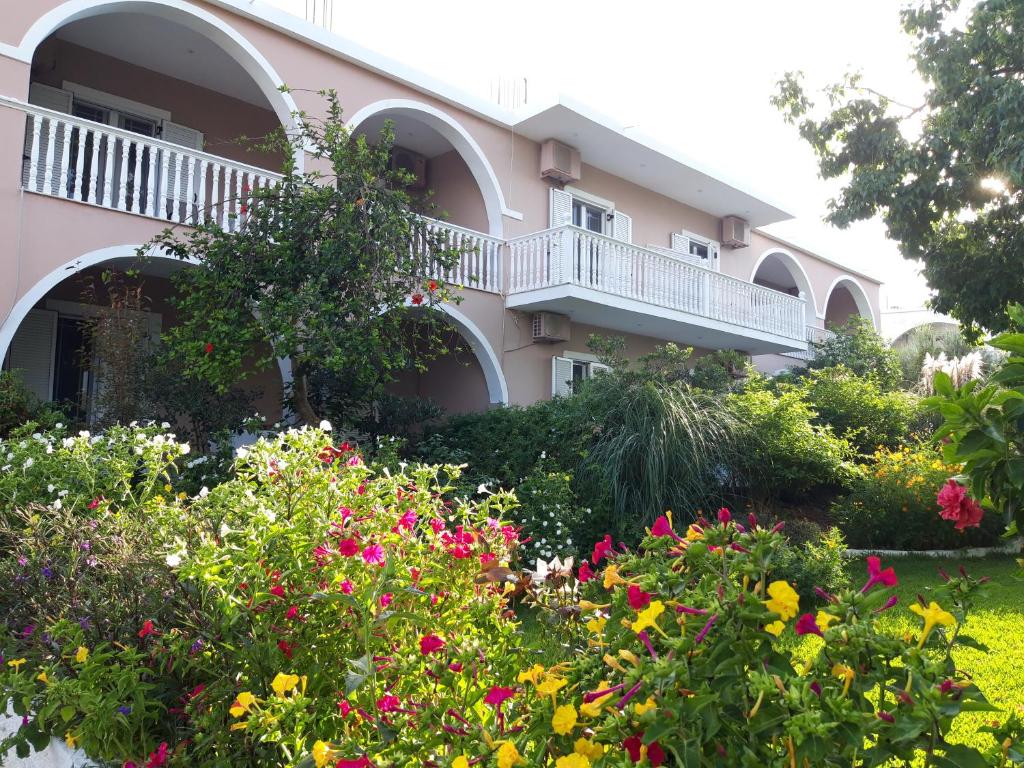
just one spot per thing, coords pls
(242, 704)
(564, 719)
(612, 662)
(587, 607)
(575, 760)
(533, 674)
(81, 654)
(775, 628)
(784, 600)
(646, 617)
(321, 753)
(550, 685)
(16, 663)
(693, 533)
(596, 625)
(932, 615)
(167, 487)
(41, 677)
(588, 748)
(611, 577)
(508, 755)
(460, 762)
(593, 709)
(70, 740)
(844, 672)
(284, 683)
(823, 620)
(629, 656)
(647, 706)
(240, 726)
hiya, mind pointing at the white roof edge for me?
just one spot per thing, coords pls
(837, 264)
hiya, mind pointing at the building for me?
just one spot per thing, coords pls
(118, 116)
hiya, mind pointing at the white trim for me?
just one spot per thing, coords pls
(214, 28)
(461, 141)
(789, 261)
(581, 357)
(860, 298)
(590, 199)
(115, 103)
(14, 52)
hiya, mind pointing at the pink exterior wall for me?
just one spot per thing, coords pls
(455, 192)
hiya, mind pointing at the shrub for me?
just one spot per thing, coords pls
(812, 559)
(549, 516)
(784, 453)
(687, 668)
(891, 504)
(341, 613)
(18, 405)
(858, 409)
(858, 346)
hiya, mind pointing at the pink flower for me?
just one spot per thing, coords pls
(346, 587)
(96, 502)
(374, 554)
(385, 599)
(430, 644)
(348, 547)
(602, 549)
(277, 590)
(638, 599)
(344, 707)
(661, 527)
(407, 521)
(886, 716)
(159, 757)
(877, 576)
(147, 629)
(957, 505)
(724, 516)
(362, 762)
(388, 703)
(498, 694)
(806, 625)
(585, 573)
(455, 666)
(292, 612)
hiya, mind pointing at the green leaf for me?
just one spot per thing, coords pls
(1011, 342)
(67, 713)
(943, 385)
(960, 756)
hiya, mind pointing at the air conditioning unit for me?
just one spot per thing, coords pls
(735, 232)
(549, 328)
(412, 163)
(559, 161)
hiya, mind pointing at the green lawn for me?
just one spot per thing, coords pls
(998, 624)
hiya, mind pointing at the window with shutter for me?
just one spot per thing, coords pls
(560, 208)
(696, 249)
(32, 351)
(561, 376)
(622, 227)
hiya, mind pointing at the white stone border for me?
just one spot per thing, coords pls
(1010, 548)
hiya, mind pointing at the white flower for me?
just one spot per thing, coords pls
(203, 492)
(62, 494)
(185, 448)
(29, 462)
(84, 433)
(482, 488)
(50, 488)
(57, 504)
(325, 425)
(241, 452)
(59, 425)
(173, 560)
(138, 450)
(49, 448)
(543, 454)
(164, 425)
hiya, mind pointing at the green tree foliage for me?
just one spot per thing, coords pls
(858, 346)
(321, 266)
(944, 175)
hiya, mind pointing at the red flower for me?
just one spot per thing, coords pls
(638, 599)
(498, 694)
(633, 745)
(277, 590)
(806, 625)
(877, 576)
(655, 754)
(430, 644)
(348, 547)
(159, 757)
(96, 502)
(286, 648)
(602, 549)
(417, 298)
(432, 285)
(292, 612)
(344, 707)
(662, 527)
(724, 516)
(147, 629)
(957, 505)
(388, 703)
(585, 574)
(208, 347)
(455, 666)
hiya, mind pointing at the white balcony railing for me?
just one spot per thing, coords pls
(815, 335)
(572, 256)
(90, 162)
(480, 265)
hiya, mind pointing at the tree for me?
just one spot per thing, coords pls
(857, 346)
(945, 175)
(322, 269)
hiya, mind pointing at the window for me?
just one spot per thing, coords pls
(568, 372)
(588, 216)
(695, 249)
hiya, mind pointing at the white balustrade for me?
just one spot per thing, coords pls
(570, 255)
(95, 163)
(815, 335)
(480, 263)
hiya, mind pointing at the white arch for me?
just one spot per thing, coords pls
(497, 387)
(179, 11)
(797, 272)
(461, 141)
(860, 298)
(38, 291)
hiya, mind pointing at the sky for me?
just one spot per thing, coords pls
(694, 75)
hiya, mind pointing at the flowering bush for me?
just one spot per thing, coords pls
(315, 612)
(688, 665)
(893, 504)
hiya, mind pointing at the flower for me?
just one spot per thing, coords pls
(634, 748)
(806, 625)
(638, 599)
(957, 505)
(508, 755)
(593, 707)
(321, 753)
(159, 757)
(432, 285)
(346, 587)
(208, 348)
(531, 675)
(574, 760)
(646, 618)
(430, 644)
(588, 748)
(775, 628)
(70, 740)
(348, 547)
(498, 694)
(724, 516)
(42, 677)
(417, 298)
(597, 624)
(147, 629)
(824, 619)
(564, 719)
(602, 549)
(374, 554)
(705, 629)
(388, 703)
(783, 600)
(283, 683)
(585, 574)
(551, 685)
(242, 704)
(647, 706)
(386, 599)
(81, 654)
(845, 673)
(877, 576)
(932, 615)
(16, 664)
(460, 762)
(655, 754)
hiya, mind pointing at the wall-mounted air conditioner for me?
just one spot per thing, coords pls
(735, 232)
(412, 163)
(559, 161)
(549, 328)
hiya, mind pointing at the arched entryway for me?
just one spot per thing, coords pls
(847, 298)
(781, 270)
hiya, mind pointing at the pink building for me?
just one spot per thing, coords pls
(578, 228)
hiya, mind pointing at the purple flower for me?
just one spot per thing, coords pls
(704, 632)
(816, 688)
(84, 623)
(47, 572)
(85, 546)
(22, 561)
(197, 646)
(28, 630)
(124, 710)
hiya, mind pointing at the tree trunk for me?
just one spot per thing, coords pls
(300, 396)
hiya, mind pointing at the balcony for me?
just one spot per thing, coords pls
(815, 335)
(607, 283)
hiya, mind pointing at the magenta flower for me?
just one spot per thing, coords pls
(602, 548)
(957, 505)
(346, 587)
(724, 516)
(877, 576)
(385, 599)
(430, 644)
(705, 629)
(806, 625)
(497, 695)
(638, 599)
(388, 703)
(374, 554)
(585, 574)
(348, 547)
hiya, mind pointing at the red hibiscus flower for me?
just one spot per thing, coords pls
(957, 505)
(432, 285)
(417, 298)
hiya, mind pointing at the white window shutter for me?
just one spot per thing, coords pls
(599, 369)
(681, 243)
(561, 376)
(181, 135)
(32, 351)
(48, 97)
(622, 227)
(560, 209)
